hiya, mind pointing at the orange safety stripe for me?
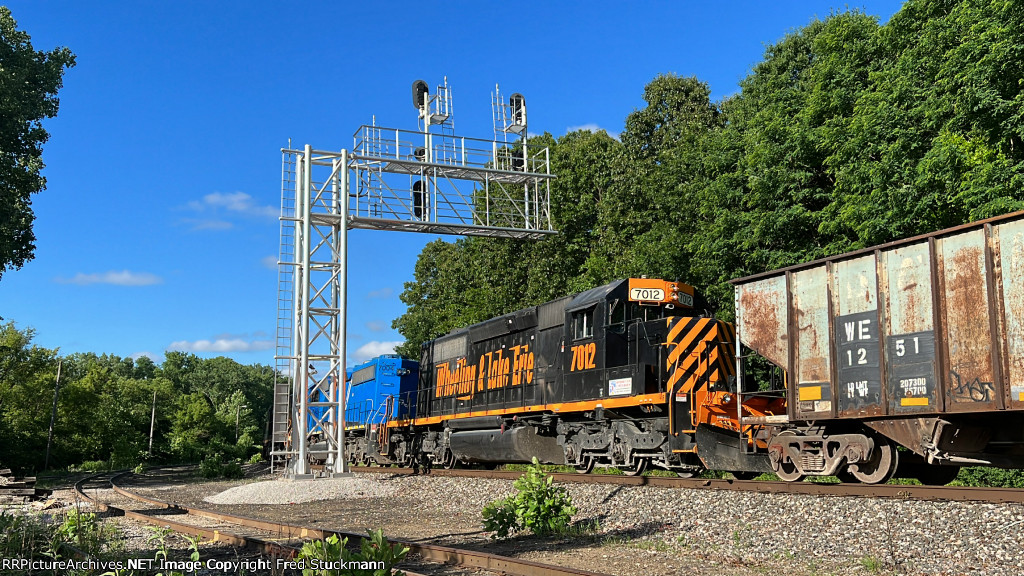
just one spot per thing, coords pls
(688, 365)
(672, 333)
(696, 329)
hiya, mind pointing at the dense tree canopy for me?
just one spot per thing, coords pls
(847, 134)
(105, 404)
(29, 81)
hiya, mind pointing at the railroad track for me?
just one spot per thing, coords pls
(285, 540)
(900, 491)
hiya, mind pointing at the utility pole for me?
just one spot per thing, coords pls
(238, 411)
(53, 417)
(152, 421)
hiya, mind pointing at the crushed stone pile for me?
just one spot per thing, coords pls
(295, 491)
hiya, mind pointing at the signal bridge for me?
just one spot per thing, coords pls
(426, 180)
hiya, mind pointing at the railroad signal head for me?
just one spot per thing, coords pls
(420, 91)
(418, 198)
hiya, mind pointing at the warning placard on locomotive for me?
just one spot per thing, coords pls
(620, 386)
(858, 346)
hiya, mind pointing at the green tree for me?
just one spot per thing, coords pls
(936, 139)
(768, 200)
(29, 81)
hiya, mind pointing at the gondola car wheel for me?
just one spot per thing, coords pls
(938, 475)
(787, 471)
(881, 467)
(846, 477)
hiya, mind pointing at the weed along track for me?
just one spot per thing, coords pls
(279, 544)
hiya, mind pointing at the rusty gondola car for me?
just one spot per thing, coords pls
(918, 344)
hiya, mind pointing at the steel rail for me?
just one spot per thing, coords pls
(429, 552)
(266, 546)
(897, 491)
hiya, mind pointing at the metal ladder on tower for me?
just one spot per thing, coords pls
(287, 274)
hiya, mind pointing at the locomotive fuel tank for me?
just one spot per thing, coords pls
(519, 444)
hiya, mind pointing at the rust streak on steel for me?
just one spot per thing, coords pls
(471, 558)
(900, 491)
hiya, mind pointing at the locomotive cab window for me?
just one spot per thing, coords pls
(583, 323)
(617, 316)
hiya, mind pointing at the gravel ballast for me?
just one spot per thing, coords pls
(649, 530)
(296, 491)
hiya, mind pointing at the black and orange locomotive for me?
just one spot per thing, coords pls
(622, 375)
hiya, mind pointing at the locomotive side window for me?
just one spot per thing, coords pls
(617, 317)
(583, 323)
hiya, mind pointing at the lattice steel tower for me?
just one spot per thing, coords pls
(425, 180)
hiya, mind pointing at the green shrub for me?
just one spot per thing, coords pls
(94, 466)
(232, 470)
(539, 507)
(375, 548)
(256, 458)
(86, 532)
(210, 467)
(24, 537)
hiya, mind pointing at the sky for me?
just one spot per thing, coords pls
(158, 229)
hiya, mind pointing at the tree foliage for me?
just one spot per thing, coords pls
(105, 404)
(29, 81)
(847, 134)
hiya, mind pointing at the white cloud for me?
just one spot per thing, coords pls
(221, 345)
(375, 326)
(373, 349)
(382, 293)
(122, 278)
(198, 224)
(158, 358)
(269, 262)
(238, 202)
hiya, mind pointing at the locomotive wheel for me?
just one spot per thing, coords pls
(449, 461)
(637, 469)
(585, 466)
(881, 467)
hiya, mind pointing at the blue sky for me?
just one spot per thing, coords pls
(158, 227)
